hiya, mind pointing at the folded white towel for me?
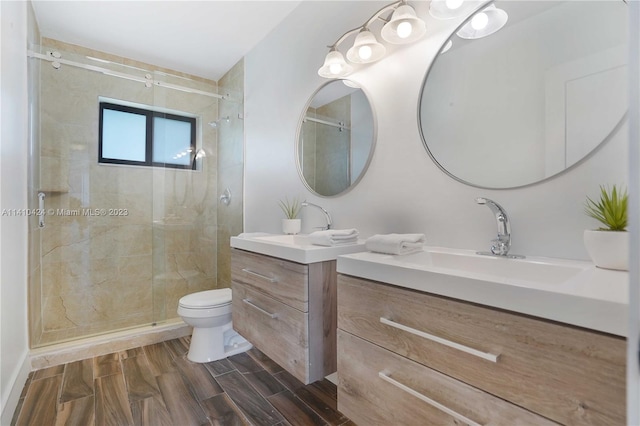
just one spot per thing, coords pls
(396, 243)
(334, 237)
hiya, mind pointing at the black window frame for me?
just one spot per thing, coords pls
(150, 115)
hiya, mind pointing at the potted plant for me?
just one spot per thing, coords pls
(608, 246)
(290, 224)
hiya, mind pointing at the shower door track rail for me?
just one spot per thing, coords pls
(340, 125)
(147, 79)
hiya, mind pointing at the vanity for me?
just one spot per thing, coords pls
(284, 300)
(449, 337)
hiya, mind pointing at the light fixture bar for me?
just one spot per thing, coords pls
(381, 11)
(368, 23)
(402, 26)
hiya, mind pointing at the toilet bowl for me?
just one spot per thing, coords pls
(209, 313)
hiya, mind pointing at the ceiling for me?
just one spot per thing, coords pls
(203, 38)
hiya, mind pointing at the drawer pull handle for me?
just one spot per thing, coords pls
(259, 275)
(429, 401)
(484, 355)
(267, 313)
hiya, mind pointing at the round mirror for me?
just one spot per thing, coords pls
(336, 137)
(529, 101)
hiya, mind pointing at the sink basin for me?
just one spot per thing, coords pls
(296, 248)
(573, 292)
(496, 268)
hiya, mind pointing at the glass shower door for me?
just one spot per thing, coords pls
(184, 200)
(121, 243)
(96, 246)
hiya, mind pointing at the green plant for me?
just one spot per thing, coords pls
(290, 208)
(610, 210)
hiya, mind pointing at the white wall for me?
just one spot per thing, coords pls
(403, 190)
(362, 133)
(633, 339)
(13, 195)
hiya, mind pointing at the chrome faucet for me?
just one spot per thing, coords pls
(502, 244)
(326, 213)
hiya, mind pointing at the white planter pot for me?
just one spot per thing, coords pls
(291, 226)
(608, 249)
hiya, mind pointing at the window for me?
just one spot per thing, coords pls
(137, 136)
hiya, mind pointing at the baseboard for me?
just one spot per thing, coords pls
(9, 406)
(333, 378)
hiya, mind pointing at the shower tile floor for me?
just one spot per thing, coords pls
(156, 385)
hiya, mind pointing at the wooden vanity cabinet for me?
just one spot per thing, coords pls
(448, 360)
(287, 310)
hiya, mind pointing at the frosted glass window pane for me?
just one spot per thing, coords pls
(123, 135)
(171, 141)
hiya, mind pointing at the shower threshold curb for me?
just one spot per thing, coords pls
(76, 350)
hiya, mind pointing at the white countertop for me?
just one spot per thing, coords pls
(295, 248)
(571, 292)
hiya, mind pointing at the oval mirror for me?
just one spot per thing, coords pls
(531, 100)
(336, 138)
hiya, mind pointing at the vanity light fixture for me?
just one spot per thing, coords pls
(403, 26)
(366, 48)
(449, 9)
(334, 65)
(447, 46)
(200, 154)
(484, 23)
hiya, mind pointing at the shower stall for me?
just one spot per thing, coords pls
(114, 244)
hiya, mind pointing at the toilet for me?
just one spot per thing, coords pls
(209, 313)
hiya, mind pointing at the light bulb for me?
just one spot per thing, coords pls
(335, 68)
(404, 29)
(447, 46)
(453, 4)
(479, 21)
(365, 52)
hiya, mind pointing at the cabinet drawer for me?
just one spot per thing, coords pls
(379, 387)
(283, 280)
(277, 329)
(568, 374)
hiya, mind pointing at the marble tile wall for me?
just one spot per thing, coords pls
(106, 272)
(333, 148)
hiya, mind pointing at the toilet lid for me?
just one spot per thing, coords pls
(207, 299)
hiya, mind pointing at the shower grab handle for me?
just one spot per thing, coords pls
(259, 275)
(258, 308)
(41, 212)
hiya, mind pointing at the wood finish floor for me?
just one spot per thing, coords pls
(156, 385)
